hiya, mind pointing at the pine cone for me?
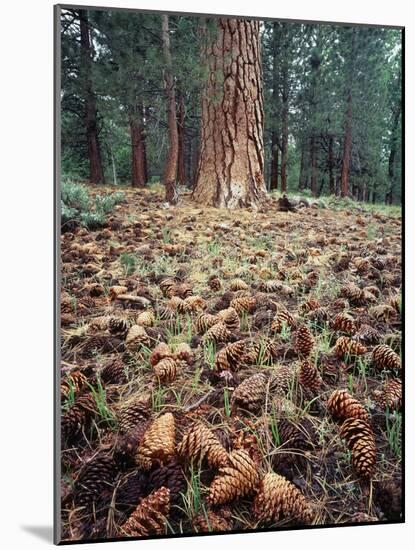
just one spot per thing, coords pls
(245, 304)
(270, 286)
(118, 326)
(318, 316)
(75, 419)
(304, 340)
(177, 304)
(166, 370)
(146, 319)
(281, 380)
(353, 293)
(230, 317)
(295, 436)
(250, 394)
(342, 405)
(74, 383)
(390, 395)
(96, 477)
(309, 377)
(184, 290)
(368, 335)
(195, 304)
(383, 357)
(218, 333)
(214, 283)
(283, 318)
(200, 442)
(114, 372)
(238, 479)
(100, 343)
(170, 476)
(238, 284)
(361, 441)
(158, 442)
(230, 357)
(149, 518)
(344, 323)
(345, 346)
(308, 306)
(278, 499)
(161, 351)
(127, 444)
(383, 313)
(184, 353)
(166, 286)
(262, 352)
(133, 414)
(130, 491)
(205, 321)
(136, 338)
(213, 521)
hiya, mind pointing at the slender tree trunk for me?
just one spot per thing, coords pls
(347, 149)
(170, 169)
(114, 168)
(302, 178)
(274, 161)
(138, 150)
(231, 166)
(284, 143)
(347, 141)
(284, 151)
(96, 172)
(181, 166)
(313, 159)
(275, 145)
(332, 185)
(392, 155)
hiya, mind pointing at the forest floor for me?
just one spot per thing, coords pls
(288, 287)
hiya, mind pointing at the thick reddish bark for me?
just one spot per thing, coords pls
(170, 169)
(231, 165)
(274, 161)
(181, 164)
(138, 149)
(96, 173)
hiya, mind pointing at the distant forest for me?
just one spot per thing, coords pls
(328, 103)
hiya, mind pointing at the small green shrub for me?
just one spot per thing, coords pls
(77, 208)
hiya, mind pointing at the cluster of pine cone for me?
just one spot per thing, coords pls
(223, 392)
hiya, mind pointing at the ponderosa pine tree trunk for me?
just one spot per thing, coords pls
(138, 148)
(170, 169)
(96, 172)
(274, 161)
(231, 164)
(181, 165)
